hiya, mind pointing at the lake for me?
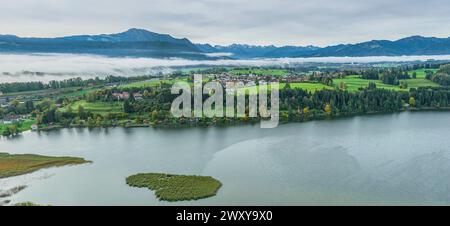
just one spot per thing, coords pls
(389, 159)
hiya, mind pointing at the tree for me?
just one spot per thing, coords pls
(13, 129)
(146, 94)
(98, 121)
(372, 86)
(80, 111)
(49, 115)
(342, 86)
(414, 75)
(127, 108)
(428, 74)
(154, 115)
(288, 85)
(6, 132)
(69, 109)
(403, 85)
(39, 118)
(306, 110)
(328, 109)
(15, 103)
(90, 122)
(138, 120)
(412, 101)
(29, 105)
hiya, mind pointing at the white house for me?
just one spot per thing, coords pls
(34, 127)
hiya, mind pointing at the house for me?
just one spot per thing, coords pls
(138, 96)
(10, 119)
(3, 101)
(118, 96)
(34, 127)
(121, 96)
(125, 95)
(5, 122)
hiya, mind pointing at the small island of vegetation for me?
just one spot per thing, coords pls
(176, 187)
(15, 165)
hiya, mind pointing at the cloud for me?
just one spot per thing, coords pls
(280, 22)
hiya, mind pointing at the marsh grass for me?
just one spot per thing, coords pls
(15, 165)
(176, 187)
(27, 204)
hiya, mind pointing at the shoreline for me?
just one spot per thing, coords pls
(239, 123)
(235, 123)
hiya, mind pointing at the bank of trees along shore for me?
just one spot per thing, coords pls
(102, 107)
(295, 105)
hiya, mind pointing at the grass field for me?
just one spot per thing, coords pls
(101, 108)
(21, 127)
(75, 92)
(274, 72)
(176, 187)
(15, 165)
(63, 92)
(421, 72)
(142, 84)
(310, 87)
(151, 83)
(353, 83)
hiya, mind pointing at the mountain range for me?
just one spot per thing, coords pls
(143, 43)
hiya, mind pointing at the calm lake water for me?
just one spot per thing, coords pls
(369, 160)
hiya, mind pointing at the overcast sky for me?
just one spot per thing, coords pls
(279, 22)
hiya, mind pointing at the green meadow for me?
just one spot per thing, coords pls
(421, 72)
(98, 107)
(21, 127)
(310, 87)
(354, 82)
(152, 83)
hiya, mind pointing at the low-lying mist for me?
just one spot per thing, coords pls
(46, 67)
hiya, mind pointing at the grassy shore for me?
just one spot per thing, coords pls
(176, 187)
(27, 204)
(21, 127)
(15, 165)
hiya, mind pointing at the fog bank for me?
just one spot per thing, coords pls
(45, 67)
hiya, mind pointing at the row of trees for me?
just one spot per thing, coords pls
(67, 83)
(390, 76)
(441, 77)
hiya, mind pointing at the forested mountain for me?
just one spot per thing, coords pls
(134, 43)
(143, 43)
(415, 45)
